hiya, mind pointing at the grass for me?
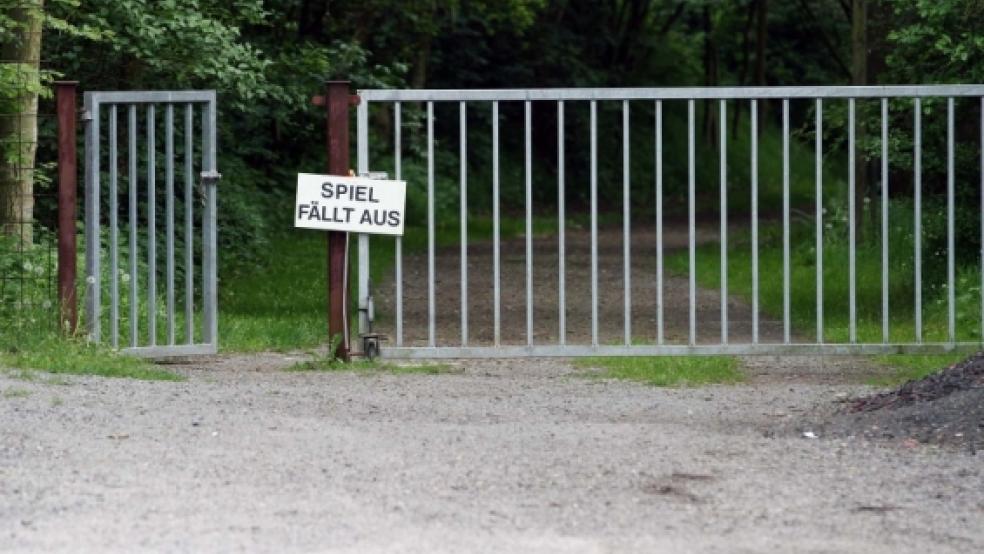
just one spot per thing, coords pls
(66, 356)
(836, 284)
(903, 368)
(329, 363)
(667, 371)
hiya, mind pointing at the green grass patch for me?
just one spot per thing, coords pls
(905, 367)
(16, 393)
(667, 371)
(57, 355)
(329, 363)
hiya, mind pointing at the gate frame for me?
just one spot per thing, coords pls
(209, 176)
(689, 94)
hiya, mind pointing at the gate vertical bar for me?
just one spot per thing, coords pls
(133, 182)
(463, 199)
(337, 154)
(210, 321)
(362, 153)
(753, 119)
(594, 223)
(114, 243)
(724, 219)
(785, 222)
(67, 197)
(691, 224)
(884, 217)
(496, 294)
(818, 153)
(92, 277)
(169, 214)
(659, 222)
(528, 133)
(851, 222)
(189, 150)
(561, 293)
(951, 319)
(917, 209)
(982, 220)
(398, 165)
(431, 306)
(151, 229)
(626, 228)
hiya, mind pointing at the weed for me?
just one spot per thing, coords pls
(667, 371)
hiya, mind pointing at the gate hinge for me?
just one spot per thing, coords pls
(86, 115)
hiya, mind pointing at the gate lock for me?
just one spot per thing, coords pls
(370, 340)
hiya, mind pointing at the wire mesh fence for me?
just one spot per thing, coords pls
(28, 204)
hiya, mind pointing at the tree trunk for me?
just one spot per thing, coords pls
(859, 76)
(19, 129)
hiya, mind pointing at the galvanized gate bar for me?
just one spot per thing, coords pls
(528, 135)
(884, 216)
(132, 182)
(169, 218)
(659, 221)
(594, 223)
(398, 168)
(496, 293)
(818, 155)
(431, 305)
(851, 224)
(96, 274)
(951, 318)
(785, 223)
(626, 229)
(189, 267)
(151, 229)
(723, 130)
(463, 203)
(561, 294)
(114, 275)
(753, 119)
(691, 222)
(917, 211)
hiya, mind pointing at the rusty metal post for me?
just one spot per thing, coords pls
(336, 102)
(67, 188)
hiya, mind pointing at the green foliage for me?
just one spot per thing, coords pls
(668, 371)
(54, 354)
(904, 368)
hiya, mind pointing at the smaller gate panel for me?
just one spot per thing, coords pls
(150, 221)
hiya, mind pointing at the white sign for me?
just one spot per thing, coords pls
(355, 204)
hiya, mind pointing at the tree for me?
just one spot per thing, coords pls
(20, 36)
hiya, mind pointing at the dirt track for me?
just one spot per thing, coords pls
(578, 286)
(504, 457)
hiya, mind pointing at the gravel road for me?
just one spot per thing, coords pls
(510, 456)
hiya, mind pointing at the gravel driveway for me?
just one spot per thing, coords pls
(507, 456)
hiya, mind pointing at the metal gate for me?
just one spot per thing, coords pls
(127, 266)
(789, 340)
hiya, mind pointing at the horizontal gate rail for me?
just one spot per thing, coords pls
(749, 98)
(563, 351)
(670, 93)
(140, 108)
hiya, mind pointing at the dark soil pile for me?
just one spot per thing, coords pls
(945, 408)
